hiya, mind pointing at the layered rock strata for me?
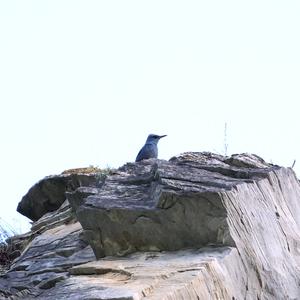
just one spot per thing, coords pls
(200, 226)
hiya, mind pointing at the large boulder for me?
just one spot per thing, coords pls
(48, 194)
(160, 205)
(200, 199)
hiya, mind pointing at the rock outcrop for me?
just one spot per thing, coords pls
(160, 205)
(200, 226)
(54, 243)
(49, 193)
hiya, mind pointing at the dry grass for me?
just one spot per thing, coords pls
(87, 170)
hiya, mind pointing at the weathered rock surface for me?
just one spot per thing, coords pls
(49, 193)
(167, 275)
(50, 249)
(201, 226)
(53, 245)
(161, 205)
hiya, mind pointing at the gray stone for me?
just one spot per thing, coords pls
(45, 260)
(200, 226)
(49, 193)
(160, 205)
(200, 199)
(184, 274)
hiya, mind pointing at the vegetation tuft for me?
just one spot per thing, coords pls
(6, 256)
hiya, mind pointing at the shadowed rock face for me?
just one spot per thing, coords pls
(158, 205)
(200, 226)
(49, 193)
(54, 243)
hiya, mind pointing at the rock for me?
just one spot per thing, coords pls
(200, 226)
(159, 205)
(49, 193)
(169, 275)
(200, 199)
(46, 260)
(48, 251)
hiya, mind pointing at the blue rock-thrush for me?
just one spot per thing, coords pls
(149, 150)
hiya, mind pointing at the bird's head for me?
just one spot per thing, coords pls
(154, 138)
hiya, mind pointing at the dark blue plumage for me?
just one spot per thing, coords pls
(149, 150)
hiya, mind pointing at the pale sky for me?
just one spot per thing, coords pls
(84, 82)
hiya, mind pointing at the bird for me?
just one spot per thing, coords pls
(149, 150)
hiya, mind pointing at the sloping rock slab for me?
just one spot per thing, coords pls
(45, 261)
(189, 274)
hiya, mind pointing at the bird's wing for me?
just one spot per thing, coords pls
(145, 152)
(138, 157)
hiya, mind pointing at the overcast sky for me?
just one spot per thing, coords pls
(84, 82)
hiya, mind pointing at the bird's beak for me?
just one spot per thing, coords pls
(161, 136)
